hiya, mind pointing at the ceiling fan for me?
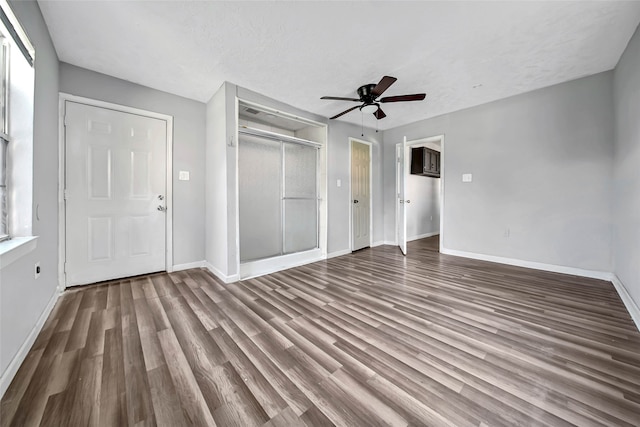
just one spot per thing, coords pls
(369, 97)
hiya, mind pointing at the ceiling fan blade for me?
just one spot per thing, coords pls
(344, 112)
(383, 85)
(337, 98)
(379, 114)
(399, 98)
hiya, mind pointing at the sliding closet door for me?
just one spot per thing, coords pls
(278, 197)
(300, 201)
(260, 200)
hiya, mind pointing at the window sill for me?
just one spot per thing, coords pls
(16, 248)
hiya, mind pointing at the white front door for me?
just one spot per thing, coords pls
(115, 189)
(401, 212)
(361, 195)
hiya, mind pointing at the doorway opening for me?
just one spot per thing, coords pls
(419, 195)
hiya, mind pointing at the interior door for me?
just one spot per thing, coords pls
(115, 188)
(401, 213)
(361, 196)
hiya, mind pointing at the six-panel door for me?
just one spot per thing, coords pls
(115, 194)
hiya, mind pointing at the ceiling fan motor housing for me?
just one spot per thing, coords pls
(365, 93)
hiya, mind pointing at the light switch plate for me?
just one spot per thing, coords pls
(467, 177)
(183, 176)
(339, 183)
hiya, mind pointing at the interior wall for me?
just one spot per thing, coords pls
(340, 197)
(542, 168)
(626, 169)
(23, 299)
(188, 147)
(423, 213)
(215, 184)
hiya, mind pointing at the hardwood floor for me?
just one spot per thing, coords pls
(367, 339)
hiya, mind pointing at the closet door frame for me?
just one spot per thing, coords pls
(271, 265)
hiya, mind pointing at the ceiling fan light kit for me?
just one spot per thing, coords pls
(368, 96)
(369, 108)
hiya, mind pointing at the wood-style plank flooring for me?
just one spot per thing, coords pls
(373, 338)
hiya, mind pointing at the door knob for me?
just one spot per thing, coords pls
(408, 201)
(355, 201)
(162, 208)
(160, 197)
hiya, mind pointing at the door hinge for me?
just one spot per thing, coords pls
(66, 194)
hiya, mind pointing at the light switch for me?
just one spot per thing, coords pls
(183, 176)
(339, 183)
(467, 177)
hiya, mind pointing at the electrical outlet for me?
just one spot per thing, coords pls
(507, 232)
(431, 219)
(36, 270)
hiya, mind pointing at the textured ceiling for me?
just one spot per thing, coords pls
(297, 52)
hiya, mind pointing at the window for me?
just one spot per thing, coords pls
(4, 138)
(17, 78)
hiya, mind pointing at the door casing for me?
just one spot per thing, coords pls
(370, 145)
(63, 98)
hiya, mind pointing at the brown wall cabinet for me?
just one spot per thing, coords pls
(425, 161)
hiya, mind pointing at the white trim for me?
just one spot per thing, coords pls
(370, 145)
(629, 303)
(188, 265)
(20, 356)
(220, 275)
(378, 243)
(338, 253)
(594, 274)
(423, 236)
(14, 249)
(279, 263)
(65, 97)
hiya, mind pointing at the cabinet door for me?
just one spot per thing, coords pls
(417, 160)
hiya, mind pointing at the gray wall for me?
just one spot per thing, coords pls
(340, 197)
(22, 298)
(188, 147)
(542, 167)
(626, 169)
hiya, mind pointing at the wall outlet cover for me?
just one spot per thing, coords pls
(467, 177)
(183, 175)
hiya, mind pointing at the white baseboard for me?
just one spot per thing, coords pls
(390, 242)
(226, 279)
(378, 243)
(629, 303)
(189, 265)
(423, 236)
(603, 275)
(338, 253)
(16, 362)
(261, 267)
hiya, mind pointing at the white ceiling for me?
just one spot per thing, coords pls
(297, 52)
